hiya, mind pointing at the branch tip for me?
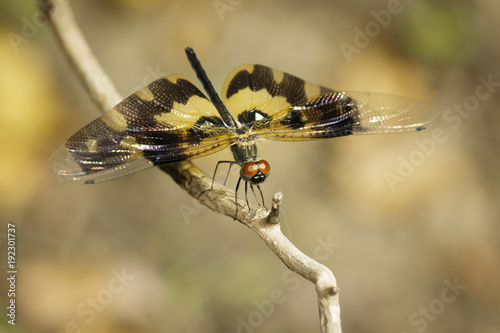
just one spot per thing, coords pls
(274, 214)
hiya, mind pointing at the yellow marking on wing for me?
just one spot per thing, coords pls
(300, 135)
(278, 76)
(145, 94)
(91, 145)
(248, 68)
(186, 115)
(175, 77)
(130, 143)
(115, 120)
(208, 146)
(312, 90)
(246, 100)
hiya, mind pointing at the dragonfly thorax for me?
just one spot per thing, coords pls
(244, 149)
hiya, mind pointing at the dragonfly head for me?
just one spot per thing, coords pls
(255, 172)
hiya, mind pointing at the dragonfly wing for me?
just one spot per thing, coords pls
(168, 121)
(347, 113)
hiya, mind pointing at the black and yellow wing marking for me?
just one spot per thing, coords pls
(278, 106)
(171, 120)
(168, 121)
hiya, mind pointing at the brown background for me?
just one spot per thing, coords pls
(393, 248)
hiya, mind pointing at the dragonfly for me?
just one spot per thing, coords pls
(170, 120)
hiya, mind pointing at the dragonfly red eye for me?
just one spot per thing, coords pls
(250, 169)
(264, 167)
(255, 172)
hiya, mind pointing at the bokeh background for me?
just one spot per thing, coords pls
(399, 219)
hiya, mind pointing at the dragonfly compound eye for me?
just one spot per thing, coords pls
(249, 170)
(264, 167)
(255, 172)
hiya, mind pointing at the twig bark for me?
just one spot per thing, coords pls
(193, 180)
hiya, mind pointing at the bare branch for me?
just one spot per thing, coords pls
(295, 260)
(193, 180)
(100, 88)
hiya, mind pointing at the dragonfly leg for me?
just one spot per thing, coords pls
(262, 196)
(246, 194)
(215, 172)
(236, 196)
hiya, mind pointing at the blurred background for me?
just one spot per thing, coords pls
(409, 224)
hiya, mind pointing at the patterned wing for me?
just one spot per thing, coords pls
(347, 113)
(168, 121)
(254, 92)
(278, 106)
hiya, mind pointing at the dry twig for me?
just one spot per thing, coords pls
(193, 180)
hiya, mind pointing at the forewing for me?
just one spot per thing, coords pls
(168, 121)
(253, 92)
